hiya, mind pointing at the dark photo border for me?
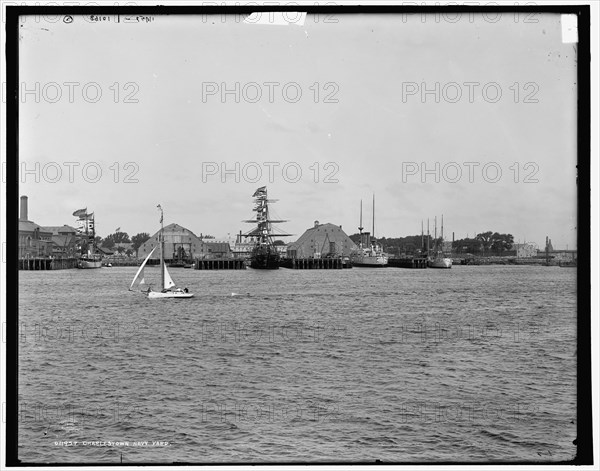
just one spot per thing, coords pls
(583, 442)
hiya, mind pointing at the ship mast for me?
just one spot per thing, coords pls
(263, 231)
(442, 236)
(360, 227)
(373, 233)
(428, 237)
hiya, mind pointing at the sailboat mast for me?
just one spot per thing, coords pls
(373, 232)
(442, 236)
(422, 246)
(87, 233)
(427, 236)
(162, 248)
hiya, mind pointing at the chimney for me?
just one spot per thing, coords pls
(23, 216)
(316, 223)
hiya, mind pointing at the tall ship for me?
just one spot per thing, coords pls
(438, 259)
(370, 253)
(89, 256)
(264, 254)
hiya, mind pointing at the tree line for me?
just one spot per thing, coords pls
(112, 240)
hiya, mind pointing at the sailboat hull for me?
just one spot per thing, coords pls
(169, 294)
(440, 263)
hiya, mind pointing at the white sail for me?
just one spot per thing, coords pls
(168, 281)
(140, 272)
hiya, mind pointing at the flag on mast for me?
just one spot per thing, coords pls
(161, 212)
(260, 192)
(80, 212)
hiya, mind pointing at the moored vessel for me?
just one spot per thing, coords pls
(89, 255)
(264, 255)
(438, 259)
(370, 253)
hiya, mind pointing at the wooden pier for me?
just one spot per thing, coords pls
(314, 263)
(220, 264)
(47, 263)
(407, 262)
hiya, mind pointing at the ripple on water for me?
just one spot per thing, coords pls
(398, 365)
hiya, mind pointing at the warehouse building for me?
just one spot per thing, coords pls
(180, 243)
(322, 240)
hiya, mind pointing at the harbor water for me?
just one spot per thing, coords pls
(476, 363)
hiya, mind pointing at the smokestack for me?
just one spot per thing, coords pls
(23, 216)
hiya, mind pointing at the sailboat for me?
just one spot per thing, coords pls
(169, 290)
(264, 255)
(439, 260)
(370, 253)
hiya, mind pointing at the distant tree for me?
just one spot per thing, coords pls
(467, 246)
(121, 238)
(501, 242)
(120, 249)
(138, 239)
(486, 240)
(279, 242)
(129, 252)
(98, 240)
(116, 238)
(108, 243)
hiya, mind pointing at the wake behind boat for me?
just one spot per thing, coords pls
(169, 290)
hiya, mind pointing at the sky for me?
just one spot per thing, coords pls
(471, 117)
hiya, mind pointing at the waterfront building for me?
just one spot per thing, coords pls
(216, 250)
(34, 241)
(64, 241)
(525, 250)
(322, 240)
(180, 243)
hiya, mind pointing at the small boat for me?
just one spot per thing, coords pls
(438, 259)
(169, 290)
(370, 254)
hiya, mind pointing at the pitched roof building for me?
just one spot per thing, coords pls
(181, 243)
(322, 240)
